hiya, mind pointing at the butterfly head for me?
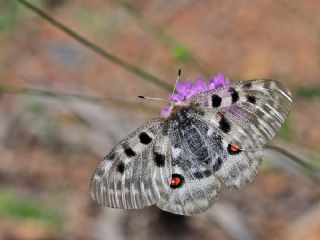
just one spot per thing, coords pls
(186, 89)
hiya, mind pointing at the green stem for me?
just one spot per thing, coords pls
(301, 163)
(126, 65)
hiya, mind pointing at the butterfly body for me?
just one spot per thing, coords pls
(180, 161)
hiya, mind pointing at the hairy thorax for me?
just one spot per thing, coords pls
(188, 130)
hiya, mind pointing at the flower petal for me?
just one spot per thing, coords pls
(220, 80)
(165, 111)
(181, 87)
(217, 81)
(200, 85)
(176, 97)
(186, 89)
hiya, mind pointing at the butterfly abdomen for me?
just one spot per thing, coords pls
(195, 142)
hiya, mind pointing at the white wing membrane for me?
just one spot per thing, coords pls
(237, 171)
(136, 171)
(252, 111)
(198, 188)
(246, 116)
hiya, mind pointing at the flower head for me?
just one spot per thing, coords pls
(186, 89)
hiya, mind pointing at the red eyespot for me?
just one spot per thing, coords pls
(234, 148)
(175, 181)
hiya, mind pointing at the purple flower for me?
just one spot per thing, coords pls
(217, 81)
(200, 85)
(175, 97)
(165, 111)
(186, 89)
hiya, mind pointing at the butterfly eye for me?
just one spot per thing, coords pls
(233, 149)
(176, 181)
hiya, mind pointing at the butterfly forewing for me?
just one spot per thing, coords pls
(136, 172)
(248, 113)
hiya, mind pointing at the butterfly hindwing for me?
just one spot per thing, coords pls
(232, 166)
(238, 170)
(194, 188)
(136, 171)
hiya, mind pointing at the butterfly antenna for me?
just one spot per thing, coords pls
(160, 99)
(153, 98)
(175, 85)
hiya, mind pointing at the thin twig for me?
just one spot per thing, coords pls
(126, 65)
(58, 94)
(304, 165)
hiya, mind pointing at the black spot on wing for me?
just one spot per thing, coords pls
(198, 175)
(206, 161)
(216, 100)
(204, 174)
(129, 152)
(234, 96)
(120, 168)
(247, 85)
(217, 165)
(224, 124)
(111, 156)
(251, 99)
(145, 138)
(207, 173)
(159, 159)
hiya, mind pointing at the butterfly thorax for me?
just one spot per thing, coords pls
(186, 128)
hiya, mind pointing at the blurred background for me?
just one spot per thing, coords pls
(65, 103)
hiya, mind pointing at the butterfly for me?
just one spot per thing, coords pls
(208, 137)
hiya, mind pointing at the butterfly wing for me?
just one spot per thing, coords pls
(136, 172)
(193, 187)
(242, 118)
(234, 167)
(248, 113)
(238, 170)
